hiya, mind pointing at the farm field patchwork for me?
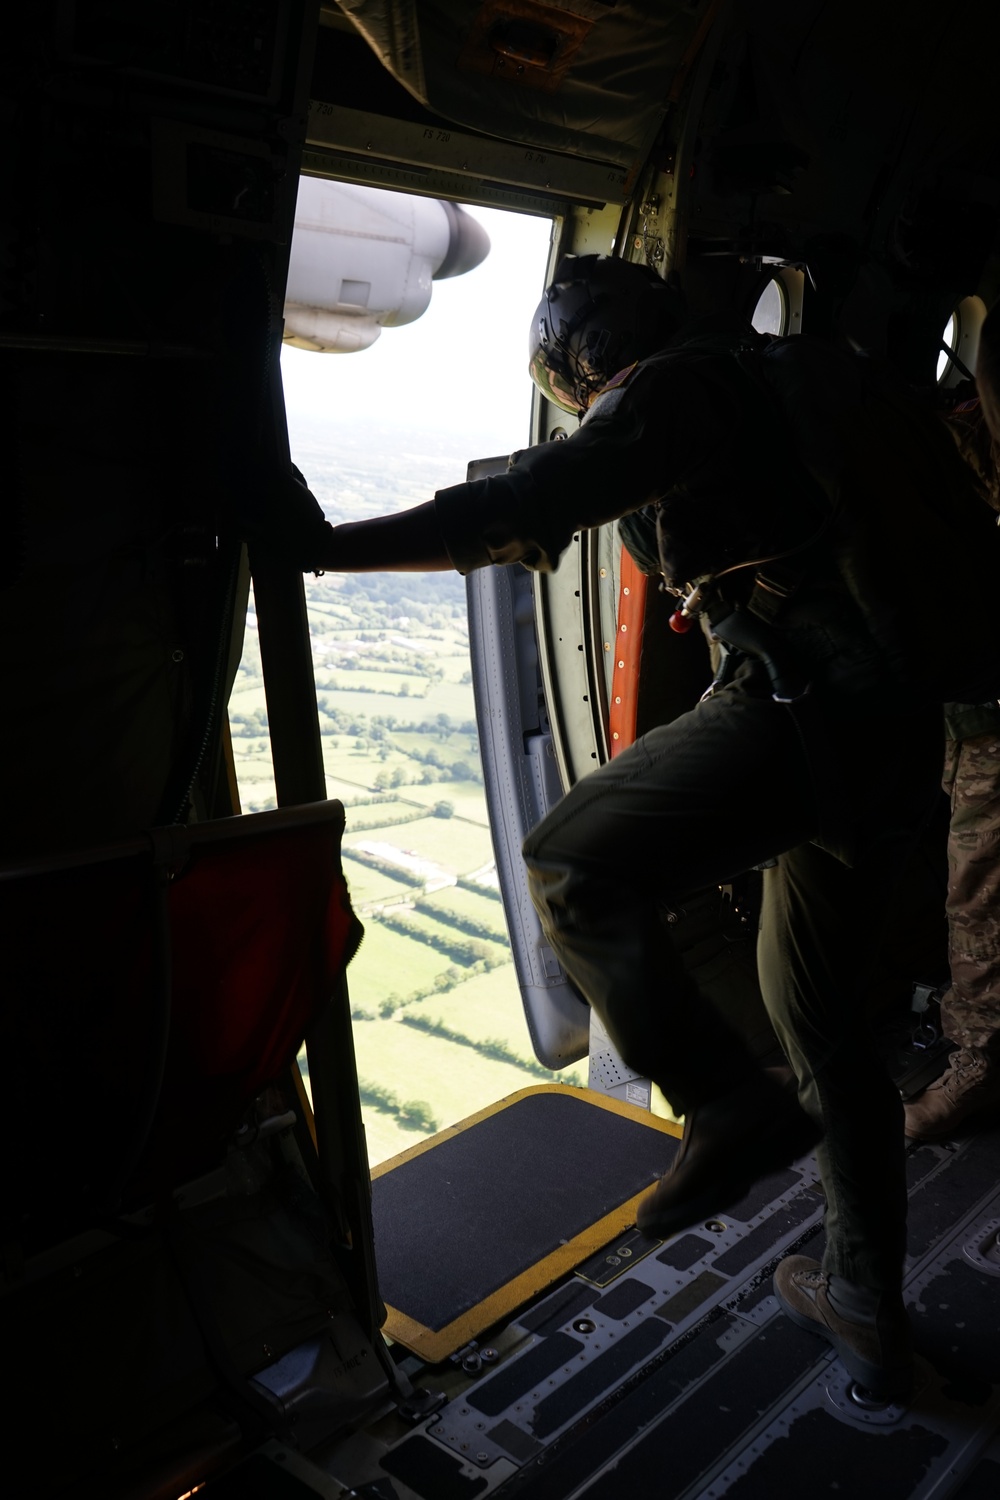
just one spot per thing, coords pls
(397, 719)
(453, 1080)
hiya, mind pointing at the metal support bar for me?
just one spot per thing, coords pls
(289, 683)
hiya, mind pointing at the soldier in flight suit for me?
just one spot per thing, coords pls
(804, 506)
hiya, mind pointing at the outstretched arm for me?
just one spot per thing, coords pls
(408, 542)
(291, 522)
(529, 513)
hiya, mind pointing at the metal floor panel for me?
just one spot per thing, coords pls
(671, 1373)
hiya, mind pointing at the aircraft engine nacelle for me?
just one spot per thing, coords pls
(363, 259)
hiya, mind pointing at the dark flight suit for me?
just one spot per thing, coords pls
(743, 449)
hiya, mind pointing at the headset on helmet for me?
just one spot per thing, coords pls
(598, 316)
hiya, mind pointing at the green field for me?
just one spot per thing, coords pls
(441, 935)
(256, 776)
(369, 682)
(369, 886)
(466, 797)
(423, 701)
(464, 903)
(349, 791)
(453, 1080)
(488, 1007)
(379, 815)
(451, 747)
(414, 635)
(388, 963)
(458, 845)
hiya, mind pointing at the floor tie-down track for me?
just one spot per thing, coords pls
(667, 1371)
(682, 1379)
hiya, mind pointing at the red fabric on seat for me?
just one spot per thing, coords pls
(261, 931)
(253, 937)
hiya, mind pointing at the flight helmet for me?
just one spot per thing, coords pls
(599, 316)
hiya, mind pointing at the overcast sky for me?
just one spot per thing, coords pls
(461, 367)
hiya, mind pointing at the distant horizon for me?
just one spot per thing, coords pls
(318, 425)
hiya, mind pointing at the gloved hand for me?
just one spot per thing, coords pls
(284, 515)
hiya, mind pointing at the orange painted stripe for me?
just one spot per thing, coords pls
(628, 653)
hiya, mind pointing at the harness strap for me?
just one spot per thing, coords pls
(772, 589)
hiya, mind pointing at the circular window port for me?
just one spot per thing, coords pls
(959, 346)
(771, 312)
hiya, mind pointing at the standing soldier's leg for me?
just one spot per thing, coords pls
(693, 802)
(970, 1011)
(812, 966)
(823, 924)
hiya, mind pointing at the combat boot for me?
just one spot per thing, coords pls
(728, 1145)
(970, 1084)
(869, 1330)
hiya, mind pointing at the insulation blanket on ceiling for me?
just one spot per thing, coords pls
(577, 76)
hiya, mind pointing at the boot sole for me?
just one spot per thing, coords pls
(687, 1212)
(693, 1211)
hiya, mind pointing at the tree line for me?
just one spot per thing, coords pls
(464, 951)
(469, 925)
(492, 1047)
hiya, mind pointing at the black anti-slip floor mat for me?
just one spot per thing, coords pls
(536, 1184)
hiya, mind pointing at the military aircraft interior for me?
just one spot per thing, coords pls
(206, 1289)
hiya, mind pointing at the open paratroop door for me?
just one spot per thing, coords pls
(522, 783)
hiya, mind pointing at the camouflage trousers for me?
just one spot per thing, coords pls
(970, 1012)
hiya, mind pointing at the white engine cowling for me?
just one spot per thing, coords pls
(363, 259)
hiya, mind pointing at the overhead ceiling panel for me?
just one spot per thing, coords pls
(585, 81)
